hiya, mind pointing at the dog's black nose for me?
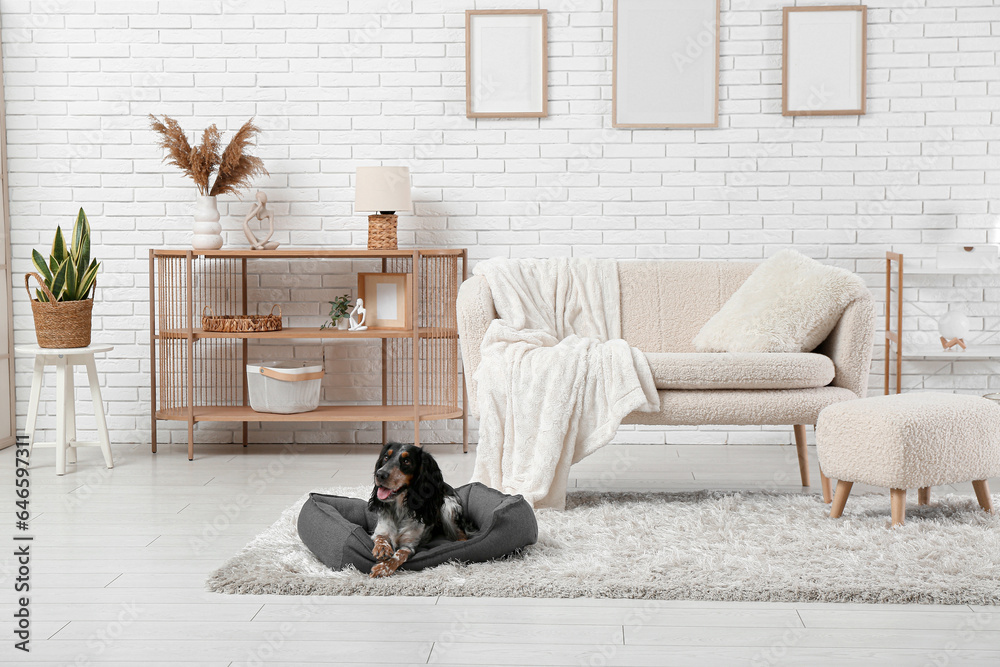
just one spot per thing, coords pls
(381, 475)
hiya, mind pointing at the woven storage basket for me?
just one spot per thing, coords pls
(60, 324)
(241, 323)
(382, 232)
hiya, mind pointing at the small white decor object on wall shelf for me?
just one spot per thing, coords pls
(260, 211)
(985, 258)
(506, 63)
(823, 54)
(358, 316)
(665, 70)
(954, 328)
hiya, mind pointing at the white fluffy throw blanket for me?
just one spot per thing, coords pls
(556, 378)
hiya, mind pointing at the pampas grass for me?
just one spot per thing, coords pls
(237, 167)
(234, 168)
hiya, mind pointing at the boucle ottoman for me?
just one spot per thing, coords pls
(909, 441)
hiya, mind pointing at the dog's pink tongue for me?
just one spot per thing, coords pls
(383, 493)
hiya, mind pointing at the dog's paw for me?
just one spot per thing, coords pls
(382, 550)
(381, 570)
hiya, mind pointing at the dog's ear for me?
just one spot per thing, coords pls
(426, 493)
(373, 502)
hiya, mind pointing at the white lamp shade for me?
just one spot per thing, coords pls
(382, 189)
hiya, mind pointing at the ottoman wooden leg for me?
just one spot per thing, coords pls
(982, 488)
(825, 484)
(898, 497)
(924, 496)
(800, 446)
(840, 499)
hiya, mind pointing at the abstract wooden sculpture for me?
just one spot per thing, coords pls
(260, 212)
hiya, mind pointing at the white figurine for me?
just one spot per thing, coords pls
(260, 212)
(358, 312)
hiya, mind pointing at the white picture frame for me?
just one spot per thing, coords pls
(823, 60)
(506, 63)
(665, 64)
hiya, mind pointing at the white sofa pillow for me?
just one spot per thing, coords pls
(790, 303)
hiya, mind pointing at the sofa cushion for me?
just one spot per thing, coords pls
(790, 303)
(740, 407)
(752, 370)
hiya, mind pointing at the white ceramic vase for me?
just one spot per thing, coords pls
(207, 230)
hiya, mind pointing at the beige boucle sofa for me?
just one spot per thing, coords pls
(663, 305)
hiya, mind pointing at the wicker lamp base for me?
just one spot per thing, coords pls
(382, 232)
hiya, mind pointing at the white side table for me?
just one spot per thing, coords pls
(64, 360)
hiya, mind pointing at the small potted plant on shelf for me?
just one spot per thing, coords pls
(339, 309)
(62, 307)
(234, 169)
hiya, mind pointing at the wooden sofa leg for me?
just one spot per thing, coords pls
(839, 500)
(825, 484)
(982, 488)
(800, 446)
(898, 500)
(924, 495)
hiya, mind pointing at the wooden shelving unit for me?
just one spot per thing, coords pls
(200, 376)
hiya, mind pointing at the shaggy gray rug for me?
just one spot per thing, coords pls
(673, 546)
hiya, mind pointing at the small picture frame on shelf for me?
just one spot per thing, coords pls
(506, 63)
(387, 298)
(823, 54)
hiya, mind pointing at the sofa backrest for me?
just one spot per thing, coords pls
(665, 303)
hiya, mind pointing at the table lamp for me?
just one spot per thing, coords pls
(384, 190)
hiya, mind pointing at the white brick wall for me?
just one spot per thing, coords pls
(341, 83)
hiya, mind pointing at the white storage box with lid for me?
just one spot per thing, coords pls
(284, 387)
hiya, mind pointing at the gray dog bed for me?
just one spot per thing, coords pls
(338, 530)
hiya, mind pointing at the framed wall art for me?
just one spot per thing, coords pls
(823, 54)
(387, 298)
(506, 63)
(665, 64)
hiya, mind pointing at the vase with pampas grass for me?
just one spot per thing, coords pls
(234, 169)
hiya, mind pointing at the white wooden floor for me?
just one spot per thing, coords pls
(120, 559)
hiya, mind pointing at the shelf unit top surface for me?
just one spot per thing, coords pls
(307, 253)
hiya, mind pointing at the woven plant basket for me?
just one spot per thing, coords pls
(60, 324)
(382, 232)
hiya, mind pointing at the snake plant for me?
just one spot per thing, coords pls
(70, 273)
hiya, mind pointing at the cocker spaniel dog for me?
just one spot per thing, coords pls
(414, 504)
